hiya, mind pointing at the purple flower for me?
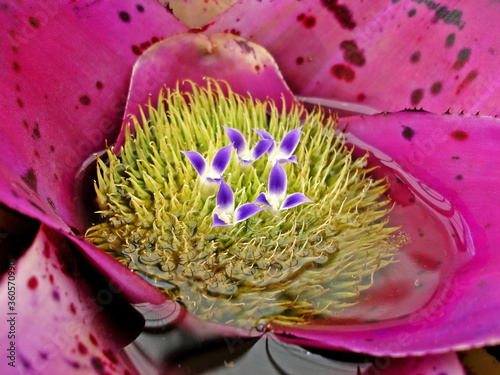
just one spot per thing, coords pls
(276, 197)
(225, 214)
(240, 144)
(283, 152)
(217, 167)
(66, 74)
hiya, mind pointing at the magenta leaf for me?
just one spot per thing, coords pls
(386, 55)
(248, 67)
(65, 75)
(63, 323)
(443, 163)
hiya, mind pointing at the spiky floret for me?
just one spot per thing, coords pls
(293, 265)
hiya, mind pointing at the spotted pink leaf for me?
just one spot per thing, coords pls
(65, 75)
(387, 55)
(247, 66)
(59, 311)
(445, 299)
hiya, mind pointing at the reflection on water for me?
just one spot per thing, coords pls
(175, 342)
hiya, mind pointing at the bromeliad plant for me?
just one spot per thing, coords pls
(283, 260)
(380, 54)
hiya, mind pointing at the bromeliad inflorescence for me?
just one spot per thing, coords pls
(308, 232)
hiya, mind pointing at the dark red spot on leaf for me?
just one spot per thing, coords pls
(97, 365)
(140, 8)
(361, 97)
(109, 355)
(93, 339)
(84, 99)
(82, 348)
(415, 57)
(16, 66)
(72, 308)
(20, 102)
(125, 17)
(56, 295)
(412, 12)
(416, 96)
(309, 22)
(436, 88)
(36, 131)
(459, 177)
(51, 279)
(341, 13)
(408, 133)
(136, 50)
(344, 72)
(99, 85)
(459, 135)
(300, 60)
(300, 17)
(450, 40)
(32, 282)
(30, 179)
(156, 40)
(462, 58)
(34, 22)
(352, 54)
(470, 77)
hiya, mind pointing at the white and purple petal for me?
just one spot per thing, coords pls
(217, 222)
(237, 140)
(225, 197)
(291, 159)
(261, 148)
(294, 200)
(261, 199)
(277, 181)
(221, 160)
(264, 135)
(246, 211)
(290, 142)
(197, 161)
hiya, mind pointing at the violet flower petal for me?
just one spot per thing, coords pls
(290, 141)
(221, 159)
(246, 211)
(265, 135)
(370, 44)
(277, 181)
(220, 56)
(225, 197)
(197, 161)
(262, 199)
(440, 152)
(294, 200)
(57, 111)
(237, 140)
(261, 148)
(291, 159)
(217, 222)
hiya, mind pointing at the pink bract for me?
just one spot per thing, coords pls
(65, 80)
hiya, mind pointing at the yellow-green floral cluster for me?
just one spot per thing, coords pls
(294, 265)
